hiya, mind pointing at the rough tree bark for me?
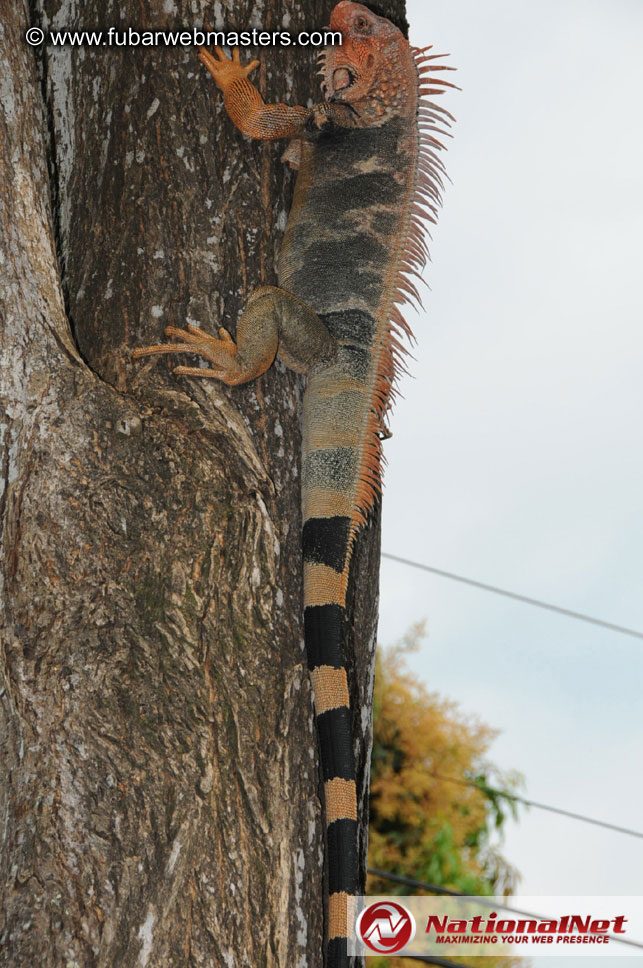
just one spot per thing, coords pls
(159, 784)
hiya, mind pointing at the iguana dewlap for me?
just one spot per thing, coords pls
(368, 176)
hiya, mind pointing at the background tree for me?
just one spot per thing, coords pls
(159, 794)
(421, 825)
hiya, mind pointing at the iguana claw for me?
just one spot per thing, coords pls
(226, 70)
(219, 351)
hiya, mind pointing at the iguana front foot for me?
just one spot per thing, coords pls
(220, 351)
(244, 103)
(226, 70)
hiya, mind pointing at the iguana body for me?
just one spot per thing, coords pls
(367, 176)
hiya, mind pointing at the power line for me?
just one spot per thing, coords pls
(444, 891)
(622, 629)
(442, 962)
(432, 888)
(541, 806)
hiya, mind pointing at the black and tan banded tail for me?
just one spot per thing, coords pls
(326, 545)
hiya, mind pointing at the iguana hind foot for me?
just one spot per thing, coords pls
(274, 321)
(220, 351)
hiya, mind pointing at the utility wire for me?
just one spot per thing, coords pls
(434, 889)
(442, 962)
(622, 629)
(541, 806)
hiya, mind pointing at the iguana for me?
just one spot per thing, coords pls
(369, 173)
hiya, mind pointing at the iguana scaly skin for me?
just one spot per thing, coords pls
(368, 175)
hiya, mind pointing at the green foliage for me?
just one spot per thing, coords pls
(436, 803)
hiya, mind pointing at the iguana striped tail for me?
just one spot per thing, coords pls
(326, 546)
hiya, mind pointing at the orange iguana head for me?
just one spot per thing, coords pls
(372, 64)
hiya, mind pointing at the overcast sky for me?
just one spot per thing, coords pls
(516, 457)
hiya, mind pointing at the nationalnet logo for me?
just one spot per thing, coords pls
(385, 927)
(537, 926)
(570, 929)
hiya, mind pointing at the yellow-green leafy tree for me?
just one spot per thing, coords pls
(436, 803)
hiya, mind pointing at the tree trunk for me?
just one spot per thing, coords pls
(159, 802)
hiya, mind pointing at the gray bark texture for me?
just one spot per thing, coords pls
(159, 786)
